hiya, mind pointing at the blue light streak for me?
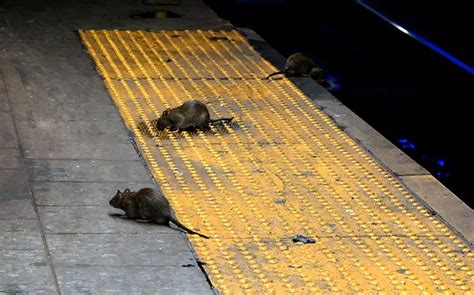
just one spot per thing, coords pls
(422, 40)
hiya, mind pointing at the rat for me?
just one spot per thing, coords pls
(148, 205)
(299, 65)
(190, 115)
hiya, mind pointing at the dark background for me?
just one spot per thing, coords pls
(411, 94)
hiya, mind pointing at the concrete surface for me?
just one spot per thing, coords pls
(64, 151)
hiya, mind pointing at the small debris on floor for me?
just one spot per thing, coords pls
(401, 270)
(349, 211)
(294, 266)
(303, 239)
(215, 38)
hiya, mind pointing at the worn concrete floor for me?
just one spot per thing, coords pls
(64, 151)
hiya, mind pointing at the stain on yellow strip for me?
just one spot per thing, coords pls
(282, 168)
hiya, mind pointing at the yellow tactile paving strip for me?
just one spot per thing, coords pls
(282, 168)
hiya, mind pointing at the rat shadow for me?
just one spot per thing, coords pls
(214, 129)
(122, 216)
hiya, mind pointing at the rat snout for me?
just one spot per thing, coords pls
(113, 202)
(162, 123)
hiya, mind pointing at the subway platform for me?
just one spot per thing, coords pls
(77, 82)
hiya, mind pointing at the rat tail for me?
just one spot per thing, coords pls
(226, 120)
(274, 74)
(181, 226)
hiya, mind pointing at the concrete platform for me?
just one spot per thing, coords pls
(64, 151)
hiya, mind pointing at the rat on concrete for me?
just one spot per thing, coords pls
(148, 205)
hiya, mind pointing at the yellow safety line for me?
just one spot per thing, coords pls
(282, 168)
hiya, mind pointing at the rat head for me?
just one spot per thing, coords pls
(289, 72)
(117, 199)
(164, 120)
(317, 73)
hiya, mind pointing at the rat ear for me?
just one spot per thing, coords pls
(127, 190)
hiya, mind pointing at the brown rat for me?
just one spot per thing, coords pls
(148, 205)
(192, 114)
(299, 65)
